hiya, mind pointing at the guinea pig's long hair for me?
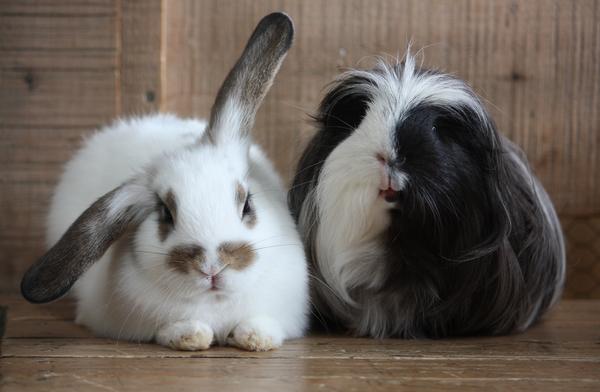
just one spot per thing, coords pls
(419, 217)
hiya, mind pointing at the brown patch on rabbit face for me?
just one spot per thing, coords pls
(237, 255)
(185, 258)
(166, 218)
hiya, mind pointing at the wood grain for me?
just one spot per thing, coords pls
(40, 351)
(139, 79)
(230, 374)
(68, 67)
(70, 29)
(57, 83)
(57, 7)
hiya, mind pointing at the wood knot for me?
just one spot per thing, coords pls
(150, 96)
(516, 76)
(29, 80)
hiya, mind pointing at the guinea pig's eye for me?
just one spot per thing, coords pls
(434, 129)
(247, 206)
(165, 214)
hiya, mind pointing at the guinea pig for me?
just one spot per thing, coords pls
(420, 219)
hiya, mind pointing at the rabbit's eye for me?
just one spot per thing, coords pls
(247, 207)
(165, 214)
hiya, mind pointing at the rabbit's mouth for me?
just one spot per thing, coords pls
(214, 281)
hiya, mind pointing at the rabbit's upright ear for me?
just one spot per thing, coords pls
(246, 85)
(86, 240)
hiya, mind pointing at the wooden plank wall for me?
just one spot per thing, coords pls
(66, 67)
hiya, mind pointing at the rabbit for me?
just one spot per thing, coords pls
(177, 230)
(420, 220)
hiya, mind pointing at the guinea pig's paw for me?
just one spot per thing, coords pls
(186, 335)
(257, 334)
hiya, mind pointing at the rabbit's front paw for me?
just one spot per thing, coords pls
(257, 334)
(186, 335)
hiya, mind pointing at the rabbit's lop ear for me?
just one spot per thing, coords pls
(86, 240)
(246, 85)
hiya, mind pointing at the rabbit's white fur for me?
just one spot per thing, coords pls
(131, 293)
(178, 230)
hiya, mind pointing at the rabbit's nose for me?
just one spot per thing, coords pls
(209, 270)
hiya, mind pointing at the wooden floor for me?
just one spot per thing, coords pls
(42, 349)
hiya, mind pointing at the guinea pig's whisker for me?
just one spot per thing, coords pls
(315, 312)
(326, 285)
(308, 167)
(297, 107)
(348, 127)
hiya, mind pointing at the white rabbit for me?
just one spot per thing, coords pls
(178, 230)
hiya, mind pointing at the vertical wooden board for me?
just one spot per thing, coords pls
(57, 82)
(139, 79)
(583, 251)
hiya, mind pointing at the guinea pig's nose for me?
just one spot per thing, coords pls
(392, 178)
(391, 163)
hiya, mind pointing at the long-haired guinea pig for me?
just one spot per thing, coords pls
(177, 230)
(420, 219)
